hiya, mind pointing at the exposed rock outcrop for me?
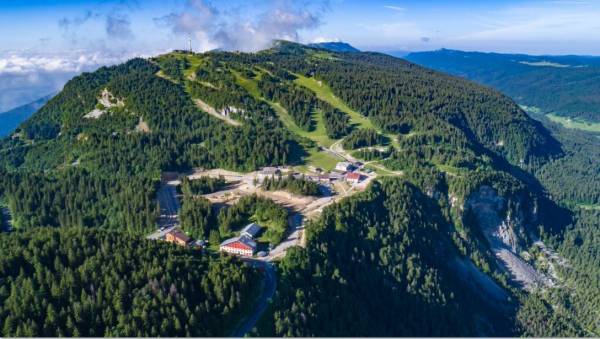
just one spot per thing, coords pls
(105, 101)
(504, 224)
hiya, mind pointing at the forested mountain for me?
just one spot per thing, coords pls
(382, 265)
(9, 120)
(415, 254)
(563, 85)
(335, 46)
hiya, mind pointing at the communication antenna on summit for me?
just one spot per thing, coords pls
(190, 44)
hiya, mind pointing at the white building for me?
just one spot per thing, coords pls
(344, 166)
(239, 246)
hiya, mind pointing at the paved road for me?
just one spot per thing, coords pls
(169, 205)
(337, 149)
(267, 293)
(296, 226)
(167, 198)
(169, 210)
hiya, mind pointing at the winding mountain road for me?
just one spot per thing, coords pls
(267, 293)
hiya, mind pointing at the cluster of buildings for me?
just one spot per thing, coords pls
(343, 171)
(347, 171)
(243, 244)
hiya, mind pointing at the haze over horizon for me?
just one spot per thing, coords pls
(51, 41)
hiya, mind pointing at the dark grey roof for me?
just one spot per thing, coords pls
(251, 230)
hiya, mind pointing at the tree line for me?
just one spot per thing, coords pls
(292, 184)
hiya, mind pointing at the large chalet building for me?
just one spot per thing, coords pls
(242, 245)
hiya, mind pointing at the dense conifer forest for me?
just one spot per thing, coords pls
(378, 265)
(80, 180)
(337, 123)
(564, 85)
(82, 282)
(299, 186)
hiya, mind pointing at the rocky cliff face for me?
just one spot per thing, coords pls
(504, 221)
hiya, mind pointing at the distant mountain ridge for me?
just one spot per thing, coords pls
(564, 85)
(335, 46)
(9, 120)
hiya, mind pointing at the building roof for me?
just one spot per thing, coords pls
(240, 242)
(343, 164)
(178, 234)
(334, 175)
(353, 176)
(251, 229)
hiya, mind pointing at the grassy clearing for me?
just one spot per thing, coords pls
(323, 56)
(589, 207)
(531, 109)
(571, 123)
(574, 123)
(194, 63)
(249, 85)
(381, 171)
(318, 134)
(315, 157)
(321, 159)
(324, 92)
(449, 169)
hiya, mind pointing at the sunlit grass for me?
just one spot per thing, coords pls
(575, 123)
(324, 92)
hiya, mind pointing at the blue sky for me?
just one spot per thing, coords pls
(538, 27)
(41, 38)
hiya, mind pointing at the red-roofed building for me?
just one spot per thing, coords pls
(239, 245)
(353, 177)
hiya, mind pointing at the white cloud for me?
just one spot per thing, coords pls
(27, 76)
(233, 30)
(321, 39)
(395, 8)
(31, 63)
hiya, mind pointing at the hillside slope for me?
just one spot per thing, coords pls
(9, 120)
(563, 85)
(93, 157)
